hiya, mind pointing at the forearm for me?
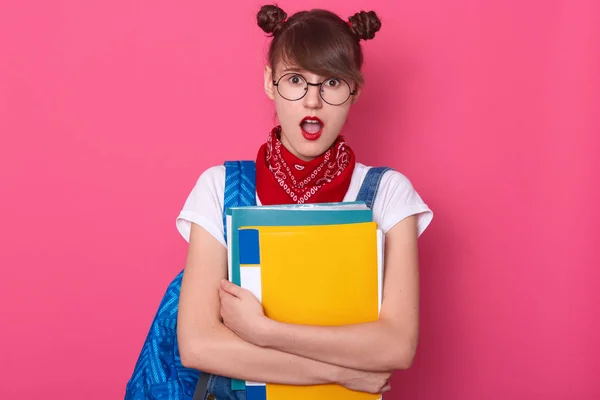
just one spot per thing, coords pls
(386, 344)
(372, 346)
(226, 354)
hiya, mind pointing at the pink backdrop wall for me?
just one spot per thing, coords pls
(110, 110)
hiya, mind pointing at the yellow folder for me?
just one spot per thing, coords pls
(319, 275)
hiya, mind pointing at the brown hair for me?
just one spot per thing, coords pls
(319, 41)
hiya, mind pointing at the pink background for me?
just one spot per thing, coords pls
(110, 110)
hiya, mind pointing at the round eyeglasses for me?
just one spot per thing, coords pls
(333, 91)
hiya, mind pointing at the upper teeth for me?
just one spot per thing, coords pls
(312, 121)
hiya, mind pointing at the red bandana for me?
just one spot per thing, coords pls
(282, 178)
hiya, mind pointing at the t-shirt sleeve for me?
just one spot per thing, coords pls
(397, 199)
(204, 205)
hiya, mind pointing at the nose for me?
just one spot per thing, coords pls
(313, 99)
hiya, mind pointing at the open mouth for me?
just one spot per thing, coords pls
(311, 127)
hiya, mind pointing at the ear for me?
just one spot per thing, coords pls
(269, 87)
(356, 95)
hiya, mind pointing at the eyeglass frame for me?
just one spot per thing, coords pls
(276, 84)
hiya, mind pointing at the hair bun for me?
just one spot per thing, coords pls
(269, 18)
(365, 24)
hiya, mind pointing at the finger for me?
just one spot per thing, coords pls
(225, 312)
(386, 388)
(231, 288)
(223, 305)
(226, 296)
(225, 308)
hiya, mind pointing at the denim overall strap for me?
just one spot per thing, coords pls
(240, 187)
(370, 185)
(240, 190)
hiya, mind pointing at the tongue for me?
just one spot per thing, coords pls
(311, 128)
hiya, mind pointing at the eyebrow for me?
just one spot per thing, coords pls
(292, 69)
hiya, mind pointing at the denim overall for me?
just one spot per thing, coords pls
(158, 372)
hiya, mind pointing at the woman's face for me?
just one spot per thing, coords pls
(306, 140)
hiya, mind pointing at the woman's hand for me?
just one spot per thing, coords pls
(365, 381)
(242, 312)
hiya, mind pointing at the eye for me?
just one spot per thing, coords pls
(295, 80)
(332, 82)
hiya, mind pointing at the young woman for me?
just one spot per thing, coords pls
(314, 77)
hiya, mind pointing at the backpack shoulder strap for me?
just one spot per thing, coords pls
(240, 187)
(370, 185)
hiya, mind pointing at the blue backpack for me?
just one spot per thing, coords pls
(158, 372)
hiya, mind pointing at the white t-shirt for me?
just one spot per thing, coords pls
(396, 199)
